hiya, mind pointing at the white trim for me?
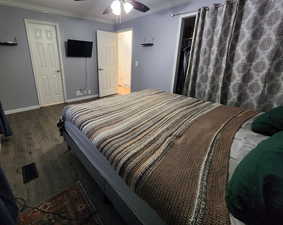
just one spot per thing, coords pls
(48, 10)
(29, 108)
(154, 9)
(181, 18)
(57, 103)
(23, 109)
(29, 21)
(124, 30)
(81, 98)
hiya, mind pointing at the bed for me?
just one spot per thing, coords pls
(161, 158)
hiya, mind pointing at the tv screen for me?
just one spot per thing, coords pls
(77, 48)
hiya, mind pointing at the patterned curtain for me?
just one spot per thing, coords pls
(237, 56)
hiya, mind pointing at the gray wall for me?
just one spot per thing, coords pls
(156, 63)
(17, 85)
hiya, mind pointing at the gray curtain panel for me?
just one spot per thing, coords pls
(237, 56)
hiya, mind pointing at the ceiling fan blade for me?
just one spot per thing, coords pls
(107, 11)
(139, 6)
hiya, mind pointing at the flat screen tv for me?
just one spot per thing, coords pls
(77, 48)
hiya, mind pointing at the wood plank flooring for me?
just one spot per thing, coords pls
(123, 90)
(36, 139)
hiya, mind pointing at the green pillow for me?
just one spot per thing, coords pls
(269, 123)
(255, 192)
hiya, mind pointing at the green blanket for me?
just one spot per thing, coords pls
(255, 192)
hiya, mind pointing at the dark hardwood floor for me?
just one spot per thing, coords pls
(36, 139)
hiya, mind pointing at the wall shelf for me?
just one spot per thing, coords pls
(147, 44)
(9, 43)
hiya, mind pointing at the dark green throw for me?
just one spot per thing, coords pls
(269, 123)
(255, 192)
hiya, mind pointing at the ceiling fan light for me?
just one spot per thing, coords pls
(128, 7)
(116, 7)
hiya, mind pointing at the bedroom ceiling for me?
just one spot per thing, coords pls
(89, 8)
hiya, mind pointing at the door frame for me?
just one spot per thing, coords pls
(178, 46)
(132, 53)
(60, 57)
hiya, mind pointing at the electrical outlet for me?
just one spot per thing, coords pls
(78, 93)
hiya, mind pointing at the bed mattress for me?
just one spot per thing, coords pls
(243, 142)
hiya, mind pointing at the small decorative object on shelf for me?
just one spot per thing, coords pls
(9, 43)
(148, 43)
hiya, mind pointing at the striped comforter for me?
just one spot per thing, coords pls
(160, 143)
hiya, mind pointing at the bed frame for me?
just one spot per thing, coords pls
(131, 208)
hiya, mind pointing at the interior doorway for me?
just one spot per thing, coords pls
(185, 41)
(125, 45)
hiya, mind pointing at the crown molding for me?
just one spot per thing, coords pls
(48, 10)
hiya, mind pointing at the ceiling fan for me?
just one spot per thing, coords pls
(117, 6)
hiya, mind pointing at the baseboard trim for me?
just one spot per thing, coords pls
(81, 98)
(23, 109)
(29, 108)
(58, 103)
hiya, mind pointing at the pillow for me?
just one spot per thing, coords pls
(269, 123)
(255, 192)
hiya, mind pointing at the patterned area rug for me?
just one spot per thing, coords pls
(71, 207)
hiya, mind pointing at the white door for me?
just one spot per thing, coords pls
(125, 58)
(107, 51)
(43, 43)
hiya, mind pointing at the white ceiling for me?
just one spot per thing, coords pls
(91, 9)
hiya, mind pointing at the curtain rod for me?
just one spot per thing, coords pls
(195, 11)
(183, 13)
